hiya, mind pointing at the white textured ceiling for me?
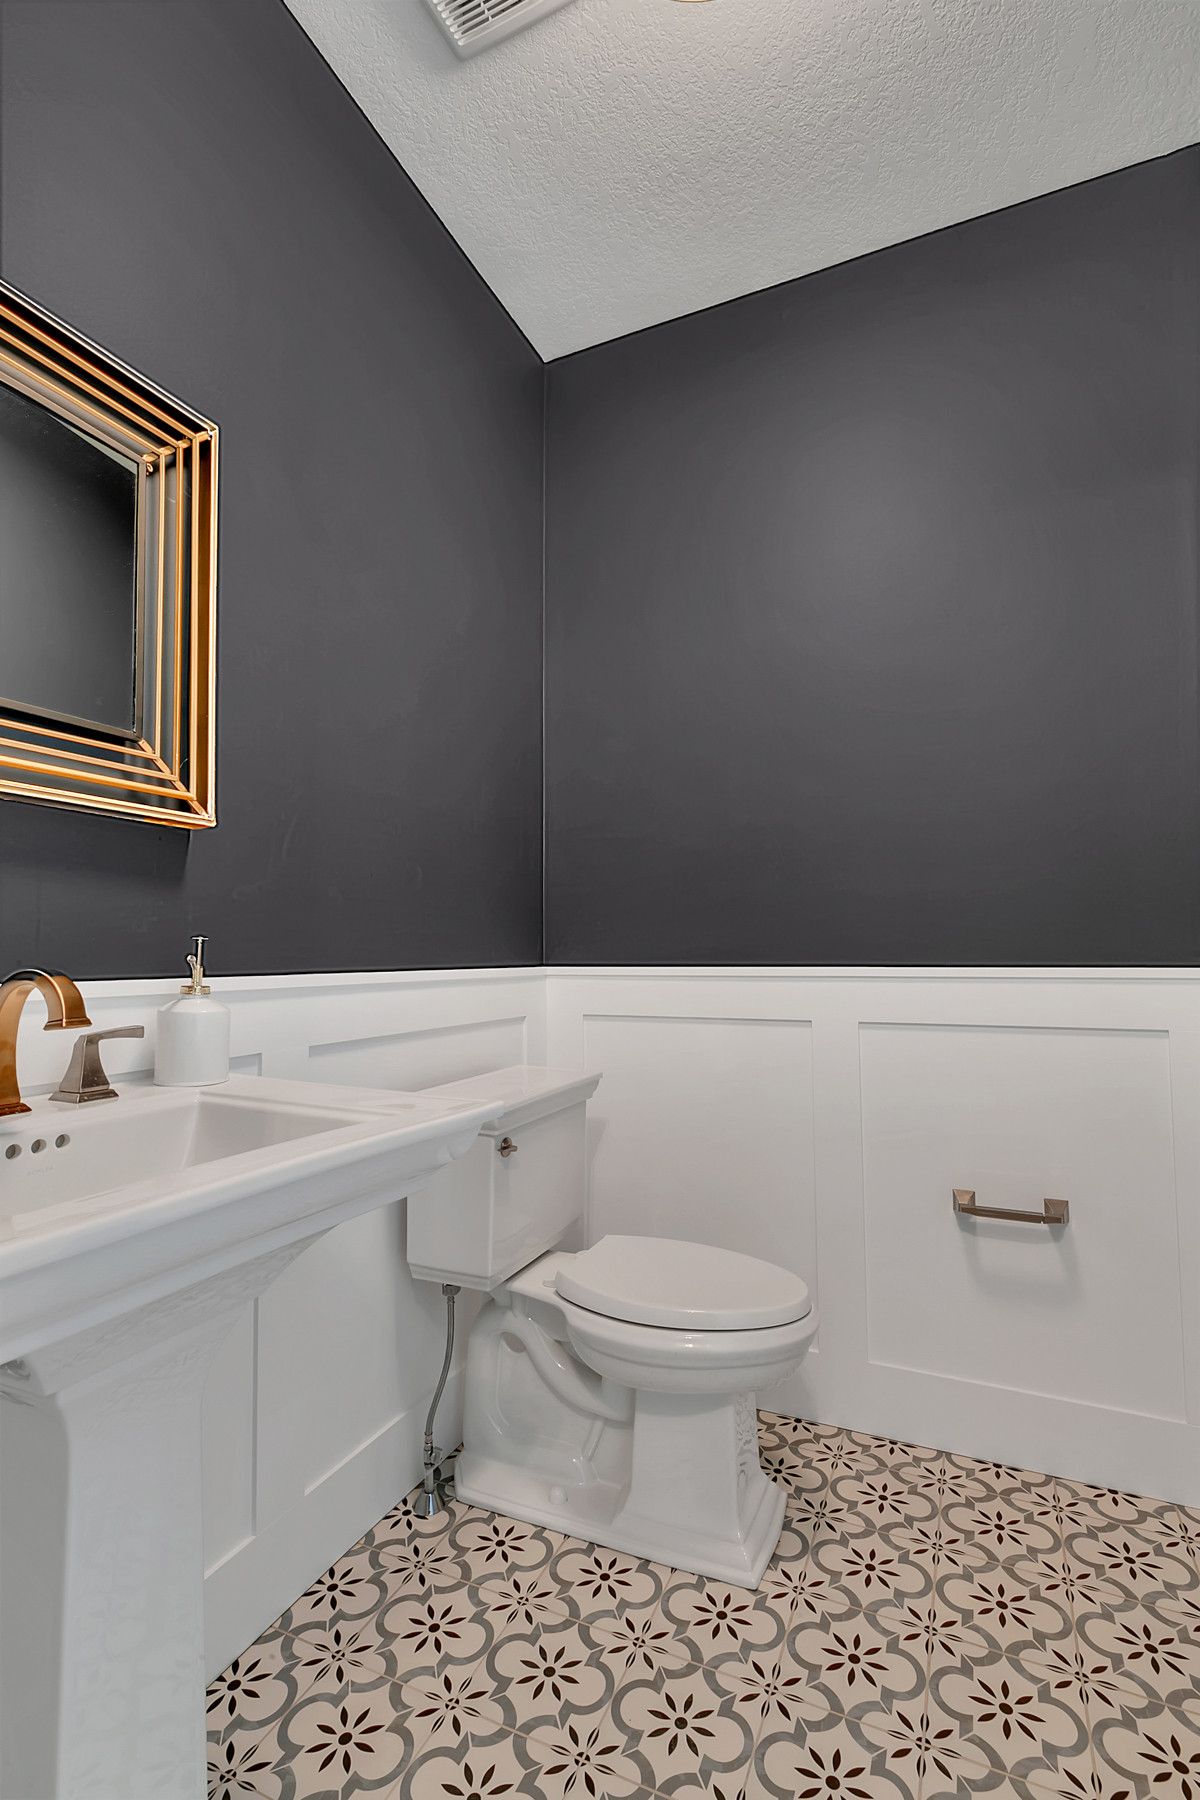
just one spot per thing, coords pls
(626, 161)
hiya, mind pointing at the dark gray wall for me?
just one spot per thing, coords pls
(871, 606)
(185, 181)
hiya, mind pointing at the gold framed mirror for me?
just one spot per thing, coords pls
(108, 564)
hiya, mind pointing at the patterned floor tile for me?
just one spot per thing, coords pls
(1090, 1685)
(896, 1452)
(831, 1453)
(981, 1480)
(447, 1709)
(640, 1643)
(407, 1517)
(971, 1779)
(604, 1584)
(257, 1688)
(929, 1626)
(418, 1564)
(786, 1463)
(930, 1752)
(795, 1584)
(1002, 1610)
(444, 1630)
(358, 1743)
(713, 1618)
(1001, 1528)
(467, 1771)
(559, 1670)
(937, 1547)
(487, 1542)
(883, 1497)
(1162, 1659)
(519, 1596)
(1067, 1785)
(243, 1766)
(338, 1656)
(773, 1692)
(348, 1591)
(1160, 1755)
(1011, 1715)
(832, 1756)
(1178, 1530)
(864, 1570)
(1099, 1509)
(1069, 1584)
(697, 1787)
(588, 1758)
(869, 1657)
(933, 1473)
(1134, 1560)
(825, 1513)
(681, 1722)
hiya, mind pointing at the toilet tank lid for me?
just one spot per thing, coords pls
(690, 1287)
(526, 1091)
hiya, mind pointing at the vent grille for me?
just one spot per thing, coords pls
(471, 25)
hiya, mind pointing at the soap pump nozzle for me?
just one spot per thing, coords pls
(195, 962)
(191, 1046)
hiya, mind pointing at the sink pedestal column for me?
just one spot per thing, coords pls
(101, 1550)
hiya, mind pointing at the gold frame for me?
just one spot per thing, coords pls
(165, 772)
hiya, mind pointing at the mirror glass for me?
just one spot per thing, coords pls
(69, 614)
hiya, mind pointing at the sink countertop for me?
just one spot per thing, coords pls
(187, 1174)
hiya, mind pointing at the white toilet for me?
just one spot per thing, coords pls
(610, 1392)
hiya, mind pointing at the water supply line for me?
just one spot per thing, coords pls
(431, 1500)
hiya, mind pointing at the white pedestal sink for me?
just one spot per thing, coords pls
(131, 1233)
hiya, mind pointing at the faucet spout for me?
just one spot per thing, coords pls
(65, 1011)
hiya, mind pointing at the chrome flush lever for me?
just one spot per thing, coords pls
(85, 1078)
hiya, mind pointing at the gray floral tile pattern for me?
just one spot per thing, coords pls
(930, 1627)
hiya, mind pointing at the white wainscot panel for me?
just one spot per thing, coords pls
(703, 1128)
(1088, 1313)
(315, 1406)
(422, 1058)
(348, 1343)
(229, 1444)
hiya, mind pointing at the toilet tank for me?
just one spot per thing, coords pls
(518, 1189)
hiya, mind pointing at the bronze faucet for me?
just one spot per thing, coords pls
(64, 1005)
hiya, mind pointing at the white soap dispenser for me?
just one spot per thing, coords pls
(192, 1044)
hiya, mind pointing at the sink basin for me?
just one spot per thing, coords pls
(132, 1233)
(56, 1164)
(143, 1188)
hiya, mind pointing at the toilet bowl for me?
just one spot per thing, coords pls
(610, 1392)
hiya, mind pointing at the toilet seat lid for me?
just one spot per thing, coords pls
(690, 1287)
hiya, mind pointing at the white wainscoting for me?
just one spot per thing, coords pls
(823, 1119)
(819, 1118)
(316, 1403)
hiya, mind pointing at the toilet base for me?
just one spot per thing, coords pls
(693, 1495)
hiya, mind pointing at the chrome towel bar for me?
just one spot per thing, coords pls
(1054, 1212)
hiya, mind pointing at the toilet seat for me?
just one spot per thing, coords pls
(671, 1284)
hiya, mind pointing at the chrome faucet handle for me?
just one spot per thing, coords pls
(85, 1078)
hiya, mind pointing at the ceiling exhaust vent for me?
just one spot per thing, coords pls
(474, 25)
